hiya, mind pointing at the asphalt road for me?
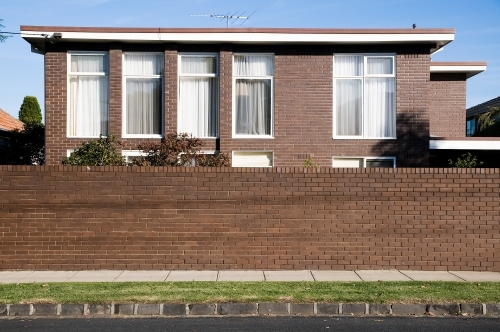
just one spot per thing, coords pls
(247, 324)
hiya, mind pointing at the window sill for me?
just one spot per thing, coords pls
(142, 136)
(253, 136)
(363, 138)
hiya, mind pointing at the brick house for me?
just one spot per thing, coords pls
(267, 97)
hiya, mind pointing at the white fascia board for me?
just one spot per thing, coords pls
(457, 69)
(245, 37)
(463, 145)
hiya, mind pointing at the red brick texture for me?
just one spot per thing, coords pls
(76, 218)
(447, 104)
(303, 102)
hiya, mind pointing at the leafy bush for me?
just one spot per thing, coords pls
(309, 162)
(101, 152)
(178, 150)
(25, 147)
(467, 161)
(30, 110)
(488, 123)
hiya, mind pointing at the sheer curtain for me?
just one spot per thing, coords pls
(349, 107)
(143, 93)
(88, 101)
(253, 95)
(379, 107)
(198, 101)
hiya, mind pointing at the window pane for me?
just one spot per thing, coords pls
(198, 104)
(379, 66)
(380, 163)
(88, 106)
(89, 63)
(253, 106)
(348, 65)
(379, 107)
(143, 105)
(348, 107)
(198, 65)
(253, 65)
(143, 64)
(252, 159)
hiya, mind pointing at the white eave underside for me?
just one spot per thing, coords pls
(247, 38)
(463, 145)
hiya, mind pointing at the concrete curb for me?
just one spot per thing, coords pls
(249, 309)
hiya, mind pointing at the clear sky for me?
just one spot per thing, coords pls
(477, 24)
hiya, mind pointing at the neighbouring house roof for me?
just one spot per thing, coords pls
(468, 68)
(38, 35)
(8, 122)
(482, 108)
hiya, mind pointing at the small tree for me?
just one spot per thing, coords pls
(26, 146)
(30, 110)
(488, 123)
(2, 36)
(178, 150)
(101, 152)
(467, 161)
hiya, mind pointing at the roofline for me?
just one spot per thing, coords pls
(468, 68)
(39, 35)
(469, 143)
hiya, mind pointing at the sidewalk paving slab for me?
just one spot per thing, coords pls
(12, 277)
(192, 276)
(241, 276)
(382, 275)
(142, 276)
(304, 275)
(431, 275)
(48, 276)
(473, 276)
(95, 276)
(335, 276)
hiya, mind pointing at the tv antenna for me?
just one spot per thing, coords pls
(228, 17)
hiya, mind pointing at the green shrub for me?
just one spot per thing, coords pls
(30, 110)
(101, 152)
(25, 147)
(467, 161)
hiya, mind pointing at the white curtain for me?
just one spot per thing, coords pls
(253, 65)
(348, 65)
(379, 65)
(379, 107)
(198, 97)
(348, 107)
(143, 106)
(253, 107)
(253, 96)
(88, 105)
(143, 94)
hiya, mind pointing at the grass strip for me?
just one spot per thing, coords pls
(211, 292)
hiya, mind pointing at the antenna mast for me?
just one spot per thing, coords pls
(227, 17)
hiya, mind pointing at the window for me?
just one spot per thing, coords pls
(252, 159)
(471, 127)
(365, 97)
(362, 162)
(130, 155)
(253, 91)
(88, 102)
(143, 79)
(198, 95)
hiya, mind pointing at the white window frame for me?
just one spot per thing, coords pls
(68, 87)
(253, 151)
(365, 60)
(211, 152)
(217, 74)
(124, 98)
(271, 78)
(133, 153)
(364, 159)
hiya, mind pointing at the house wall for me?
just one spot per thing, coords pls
(447, 104)
(303, 103)
(85, 218)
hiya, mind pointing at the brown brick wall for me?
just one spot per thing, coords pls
(303, 103)
(75, 218)
(447, 104)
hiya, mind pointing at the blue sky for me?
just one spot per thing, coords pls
(476, 22)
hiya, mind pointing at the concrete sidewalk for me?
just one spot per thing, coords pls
(239, 275)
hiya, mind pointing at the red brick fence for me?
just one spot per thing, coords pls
(76, 218)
